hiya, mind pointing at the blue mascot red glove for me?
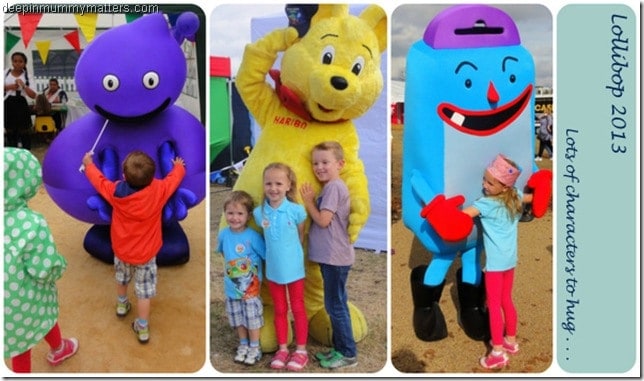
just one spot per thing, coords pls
(541, 184)
(445, 216)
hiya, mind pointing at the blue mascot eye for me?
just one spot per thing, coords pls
(468, 83)
(513, 78)
(150, 80)
(110, 82)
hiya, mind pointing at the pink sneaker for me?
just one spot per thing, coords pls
(493, 362)
(68, 348)
(511, 348)
(279, 359)
(298, 361)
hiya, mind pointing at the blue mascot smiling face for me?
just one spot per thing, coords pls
(140, 80)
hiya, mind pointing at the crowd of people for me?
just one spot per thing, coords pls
(21, 102)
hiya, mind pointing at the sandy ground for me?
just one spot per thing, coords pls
(87, 299)
(458, 353)
(178, 321)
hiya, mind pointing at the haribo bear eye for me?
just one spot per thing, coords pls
(358, 65)
(327, 55)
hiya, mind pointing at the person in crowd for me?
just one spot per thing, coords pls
(17, 113)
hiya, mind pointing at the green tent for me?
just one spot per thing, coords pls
(220, 120)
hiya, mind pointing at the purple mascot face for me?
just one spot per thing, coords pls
(132, 73)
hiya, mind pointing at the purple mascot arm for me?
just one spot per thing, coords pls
(108, 163)
(176, 209)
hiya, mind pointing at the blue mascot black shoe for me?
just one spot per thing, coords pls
(429, 322)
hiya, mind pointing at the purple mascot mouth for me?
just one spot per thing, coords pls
(132, 119)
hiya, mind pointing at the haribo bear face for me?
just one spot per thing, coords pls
(335, 68)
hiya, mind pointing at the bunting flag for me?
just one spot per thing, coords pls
(28, 24)
(10, 40)
(72, 38)
(87, 24)
(43, 49)
(129, 17)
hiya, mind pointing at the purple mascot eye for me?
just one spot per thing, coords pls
(110, 82)
(151, 80)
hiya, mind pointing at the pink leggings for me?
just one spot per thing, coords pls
(280, 301)
(22, 362)
(498, 286)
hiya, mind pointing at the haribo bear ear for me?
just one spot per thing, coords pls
(376, 18)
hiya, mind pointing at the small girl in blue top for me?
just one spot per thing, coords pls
(243, 250)
(283, 223)
(499, 211)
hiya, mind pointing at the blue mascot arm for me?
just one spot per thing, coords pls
(176, 209)
(443, 215)
(420, 187)
(108, 163)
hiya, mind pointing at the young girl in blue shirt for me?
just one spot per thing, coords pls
(282, 221)
(499, 211)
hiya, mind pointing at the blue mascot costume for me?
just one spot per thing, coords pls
(468, 97)
(129, 77)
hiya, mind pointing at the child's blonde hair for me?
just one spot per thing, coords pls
(291, 195)
(333, 146)
(510, 198)
(242, 198)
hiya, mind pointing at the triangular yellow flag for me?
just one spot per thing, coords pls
(87, 24)
(43, 49)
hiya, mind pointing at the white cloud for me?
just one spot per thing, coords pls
(230, 28)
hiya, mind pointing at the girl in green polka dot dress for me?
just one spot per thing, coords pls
(32, 265)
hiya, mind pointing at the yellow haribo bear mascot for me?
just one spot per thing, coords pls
(328, 76)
